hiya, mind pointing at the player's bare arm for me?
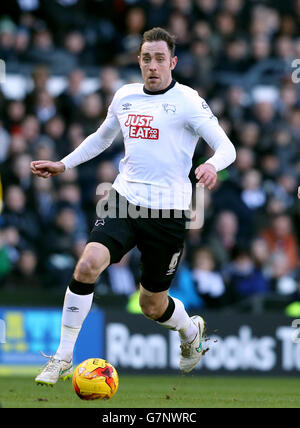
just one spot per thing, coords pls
(46, 169)
(299, 192)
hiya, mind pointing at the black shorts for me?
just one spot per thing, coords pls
(159, 239)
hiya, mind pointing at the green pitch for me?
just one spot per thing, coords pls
(179, 391)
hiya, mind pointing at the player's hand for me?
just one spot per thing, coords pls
(46, 169)
(207, 175)
(299, 192)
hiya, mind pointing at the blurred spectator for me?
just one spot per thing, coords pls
(280, 239)
(294, 123)
(21, 174)
(284, 49)
(282, 276)
(106, 172)
(179, 26)
(158, 12)
(264, 21)
(225, 25)
(223, 238)
(22, 44)
(249, 135)
(260, 50)
(228, 198)
(236, 104)
(13, 243)
(61, 239)
(205, 9)
(202, 62)
(79, 52)
(75, 135)
(265, 116)
(91, 113)
(5, 141)
(245, 160)
(7, 39)
(44, 51)
(69, 194)
(269, 165)
(109, 83)
(208, 282)
(128, 43)
(260, 254)
(43, 47)
(285, 149)
(25, 272)
(30, 130)
(44, 107)
(285, 188)
(44, 199)
(183, 6)
(55, 129)
(289, 98)
(63, 15)
(40, 78)
(234, 7)
(244, 277)
(5, 264)
(15, 114)
(16, 214)
(71, 98)
(253, 194)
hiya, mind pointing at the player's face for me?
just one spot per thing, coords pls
(156, 65)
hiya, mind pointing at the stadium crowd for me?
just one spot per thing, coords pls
(238, 55)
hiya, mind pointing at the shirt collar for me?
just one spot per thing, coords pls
(162, 91)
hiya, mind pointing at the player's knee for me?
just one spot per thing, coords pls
(150, 310)
(152, 304)
(87, 271)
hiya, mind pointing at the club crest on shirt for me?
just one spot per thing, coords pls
(169, 108)
(139, 127)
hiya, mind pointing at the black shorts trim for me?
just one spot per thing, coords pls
(154, 287)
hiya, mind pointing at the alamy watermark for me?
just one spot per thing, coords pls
(296, 72)
(2, 71)
(296, 333)
(119, 207)
(2, 331)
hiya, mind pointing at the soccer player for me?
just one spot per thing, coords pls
(161, 121)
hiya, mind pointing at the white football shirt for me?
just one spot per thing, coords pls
(160, 130)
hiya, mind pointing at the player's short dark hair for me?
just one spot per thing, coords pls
(157, 34)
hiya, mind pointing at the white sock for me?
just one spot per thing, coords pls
(181, 322)
(76, 308)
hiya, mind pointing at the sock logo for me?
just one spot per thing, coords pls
(72, 309)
